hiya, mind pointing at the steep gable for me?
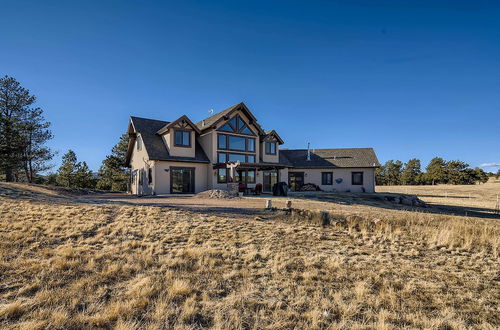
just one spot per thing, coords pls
(226, 114)
(153, 142)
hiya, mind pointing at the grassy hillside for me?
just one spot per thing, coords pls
(68, 262)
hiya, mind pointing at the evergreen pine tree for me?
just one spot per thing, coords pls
(393, 172)
(113, 174)
(436, 171)
(67, 171)
(411, 172)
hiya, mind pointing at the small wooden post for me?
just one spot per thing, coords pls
(325, 218)
(497, 206)
(269, 204)
(288, 204)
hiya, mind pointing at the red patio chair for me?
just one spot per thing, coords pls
(258, 189)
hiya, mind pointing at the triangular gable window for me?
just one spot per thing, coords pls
(236, 125)
(226, 128)
(241, 123)
(233, 123)
(246, 130)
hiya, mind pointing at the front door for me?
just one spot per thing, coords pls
(269, 180)
(295, 180)
(181, 180)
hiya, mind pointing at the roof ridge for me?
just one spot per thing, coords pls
(149, 119)
(219, 112)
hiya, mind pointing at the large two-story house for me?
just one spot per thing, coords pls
(230, 146)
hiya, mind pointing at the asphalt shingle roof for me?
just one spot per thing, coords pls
(330, 158)
(155, 147)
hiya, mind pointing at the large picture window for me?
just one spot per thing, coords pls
(357, 178)
(223, 157)
(327, 178)
(182, 138)
(237, 158)
(236, 143)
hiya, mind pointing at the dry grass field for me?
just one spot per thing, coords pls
(69, 262)
(479, 197)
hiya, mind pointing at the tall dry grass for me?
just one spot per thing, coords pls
(68, 264)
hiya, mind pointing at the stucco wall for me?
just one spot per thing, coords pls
(162, 178)
(208, 142)
(314, 176)
(139, 161)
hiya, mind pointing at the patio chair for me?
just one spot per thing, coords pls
(242, 187)
(258, 189)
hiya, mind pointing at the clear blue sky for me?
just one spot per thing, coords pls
(409, 78)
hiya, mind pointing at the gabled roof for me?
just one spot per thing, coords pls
(330, 158)
(153, 142)
(275, 134)
(210, 122)
(181, 119)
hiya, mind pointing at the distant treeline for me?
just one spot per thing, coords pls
(438, 171)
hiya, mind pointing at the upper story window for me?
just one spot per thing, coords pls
(182, 138)
(357, 178)
(236, 143)
(270, 148)
(236, 125)
(139, 142)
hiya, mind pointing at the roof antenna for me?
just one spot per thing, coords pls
(308, 152)
(211, 111)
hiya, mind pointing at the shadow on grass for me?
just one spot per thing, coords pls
(224, 208)
(379, 200)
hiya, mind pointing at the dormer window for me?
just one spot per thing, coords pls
(236, 125)
(182, 138)
(270, 148)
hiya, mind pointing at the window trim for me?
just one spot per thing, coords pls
(275, 148)
(352, 178)
(324, 182)
(182, 145)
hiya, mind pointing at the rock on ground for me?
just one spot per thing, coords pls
(217, 194)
